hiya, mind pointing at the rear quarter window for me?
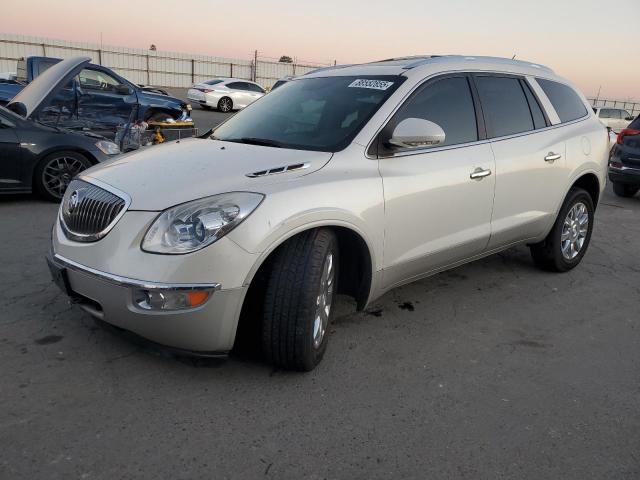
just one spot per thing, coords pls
(565, 100)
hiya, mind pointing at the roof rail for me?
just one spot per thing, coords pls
(506, 61)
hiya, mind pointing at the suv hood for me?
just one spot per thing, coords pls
(160, 177)
(47, 85)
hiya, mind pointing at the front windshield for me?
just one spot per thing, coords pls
(320, 114)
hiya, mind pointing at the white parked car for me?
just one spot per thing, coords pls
(616, 119)
(351, 180)
(225, 94)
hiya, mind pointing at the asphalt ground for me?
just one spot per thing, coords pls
(492, 370)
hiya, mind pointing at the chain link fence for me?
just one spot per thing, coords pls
(158, 68)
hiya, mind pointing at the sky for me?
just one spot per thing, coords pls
(587, 41)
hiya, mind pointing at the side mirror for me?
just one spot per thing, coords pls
(123, 90)
(412, 133)
(629, 118)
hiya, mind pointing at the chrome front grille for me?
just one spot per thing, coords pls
(88, 212)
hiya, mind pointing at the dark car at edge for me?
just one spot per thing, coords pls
(624, 161)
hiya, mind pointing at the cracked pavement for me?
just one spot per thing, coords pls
(491, 370)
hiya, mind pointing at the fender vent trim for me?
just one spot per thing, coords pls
(276, 170)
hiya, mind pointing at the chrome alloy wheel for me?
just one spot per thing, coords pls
(58, 173)
(225, 105)
(323, 301)
(574, 231)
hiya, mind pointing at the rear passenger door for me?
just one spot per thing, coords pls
(436, 214)
(240, 97)
(530, 159)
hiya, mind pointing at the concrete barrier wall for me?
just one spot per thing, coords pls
(159, 68)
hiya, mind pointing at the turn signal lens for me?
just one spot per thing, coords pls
(197, 298)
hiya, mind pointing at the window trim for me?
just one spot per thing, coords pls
(519, 79)
(587, 106)
(371, 150)
(527, 87)
(374, 149)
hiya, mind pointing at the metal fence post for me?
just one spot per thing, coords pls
(148, 74)
(231, 70)
(193, 71)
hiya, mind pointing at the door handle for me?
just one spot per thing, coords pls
(552, 157)
(479, 174)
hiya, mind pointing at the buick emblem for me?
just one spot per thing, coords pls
(74, 200)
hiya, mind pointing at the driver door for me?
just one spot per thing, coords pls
(437, 208)
(104, 102)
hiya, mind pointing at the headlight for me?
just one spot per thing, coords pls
(191, 226)
(107, 147)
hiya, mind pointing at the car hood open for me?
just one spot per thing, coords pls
(47, 85)
(160, 177)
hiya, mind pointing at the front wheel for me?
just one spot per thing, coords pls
(299, 299)
(54, 173)
(623, 190)
(569, 238)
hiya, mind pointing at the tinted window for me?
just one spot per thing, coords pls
(624, 114)
(565, 100)
(505, 106)
(254, 88)
(279, 83)
(447, 102)
(322, 114)
(96, 80)
(212, 82)
(235, 85)
(536, 111)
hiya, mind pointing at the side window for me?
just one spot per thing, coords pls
(235, 85)
(539, 120)
(605, 113)
(97, 81)
(624, 114)
(565, 100)
(447, 102)
(505, 106)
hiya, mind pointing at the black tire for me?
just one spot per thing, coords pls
(225, 105)
(548, 254)
(624, 190)
(54, 172)
(292, 297)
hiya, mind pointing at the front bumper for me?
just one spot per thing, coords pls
(207, 330)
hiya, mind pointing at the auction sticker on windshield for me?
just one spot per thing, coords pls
(374, 84)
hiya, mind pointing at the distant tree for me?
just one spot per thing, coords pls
(285, 59)
(153, 47)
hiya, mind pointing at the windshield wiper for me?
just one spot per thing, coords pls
(265, 142)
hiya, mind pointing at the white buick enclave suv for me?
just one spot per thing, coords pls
(350, 180)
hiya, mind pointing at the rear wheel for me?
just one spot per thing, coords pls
(54, 173)
(569, 238)
(299, 299)
(225, 104)
(624, 190)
